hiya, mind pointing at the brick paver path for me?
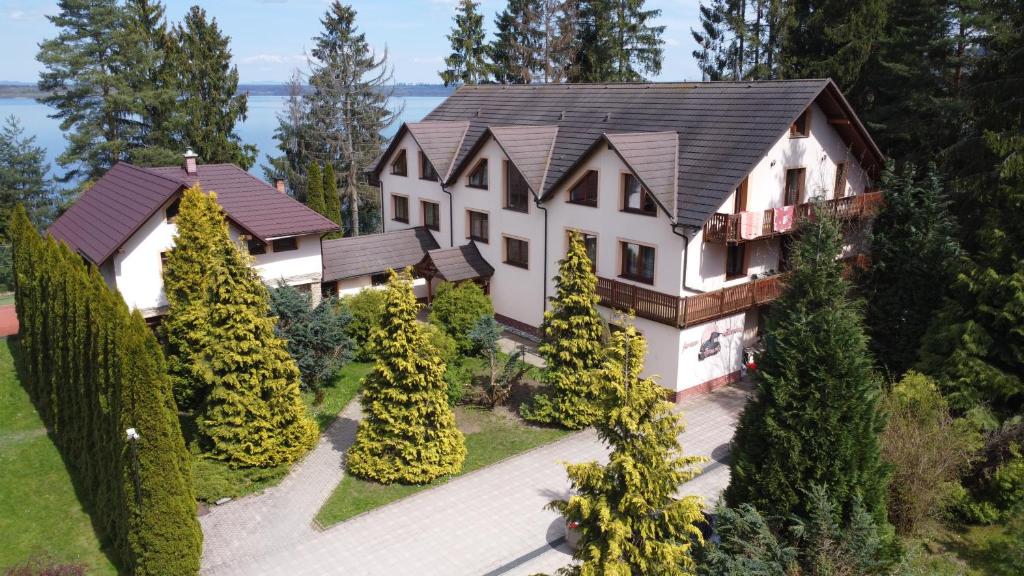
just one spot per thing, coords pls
(488, 523)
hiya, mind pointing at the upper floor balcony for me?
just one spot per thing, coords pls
(729, 228)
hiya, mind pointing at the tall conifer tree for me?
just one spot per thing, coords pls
(629, 519)
(814, 419)
(467, 63)
(516, 51)
(615, 41)
(331, 199)
(408, 431)
(315, 189)
(571, 344)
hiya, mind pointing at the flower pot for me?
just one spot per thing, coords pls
(572, 534)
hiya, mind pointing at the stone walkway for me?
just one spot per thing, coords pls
(488, 523)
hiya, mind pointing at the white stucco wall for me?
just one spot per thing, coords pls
(136, 269)
(697, 368)
(352, 286)
(417, 190)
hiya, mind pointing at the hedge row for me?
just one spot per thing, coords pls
(94, 370)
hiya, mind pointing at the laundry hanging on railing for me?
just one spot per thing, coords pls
(783, 218)
(751, 224)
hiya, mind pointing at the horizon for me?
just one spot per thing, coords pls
(412, 31)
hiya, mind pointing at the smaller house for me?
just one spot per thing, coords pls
(357, 262)
(125, 225)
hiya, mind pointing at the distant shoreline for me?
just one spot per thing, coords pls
(400, 90)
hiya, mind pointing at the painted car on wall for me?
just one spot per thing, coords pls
(710, 347)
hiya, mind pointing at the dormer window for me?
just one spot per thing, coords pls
(478, 177)
(171, 214)
(585, 190)
(427, 171)
(399, 166)
(801, 126)
(636, 198)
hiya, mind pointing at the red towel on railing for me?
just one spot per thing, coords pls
(783, 218)
(751, 224)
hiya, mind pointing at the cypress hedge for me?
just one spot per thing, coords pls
(94, 370)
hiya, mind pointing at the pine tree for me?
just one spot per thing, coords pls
(814, 419)
(23, 178)
(571, 344)
(913, 243)
(408, 431)
(291, 134)
(347, 106)
(557, 28)
(314, 189)
(630, 521)
(253, 414)
(516, 52)
(331, 199)
(188, 273)
(615, 41)
(467, 64)
(210, 103)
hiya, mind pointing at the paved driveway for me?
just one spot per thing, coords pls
(488, 523)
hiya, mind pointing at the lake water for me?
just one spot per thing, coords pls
(258, 128)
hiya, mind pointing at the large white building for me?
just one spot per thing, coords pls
(686, 195)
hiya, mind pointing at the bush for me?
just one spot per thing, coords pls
(367, 309)
(456, 309)
(457, 376)
(922, 436)
(46, 566)
(317, 337)
(994, 488)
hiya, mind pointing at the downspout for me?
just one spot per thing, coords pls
(544, 305)
(686, 253)
(383, 218)
(451, 215)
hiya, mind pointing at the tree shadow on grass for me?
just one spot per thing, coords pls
(77, 484)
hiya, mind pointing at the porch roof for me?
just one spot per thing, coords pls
(455, 264)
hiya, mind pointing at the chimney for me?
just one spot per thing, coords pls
(190, 162)
(279, 184)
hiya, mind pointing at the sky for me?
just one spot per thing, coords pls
(270, 37)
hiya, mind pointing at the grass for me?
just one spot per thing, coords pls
(39, 510)
(491, 436)
(215, 480)
(6, 298)
(970, 551)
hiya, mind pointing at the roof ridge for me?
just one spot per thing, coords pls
(149, 171)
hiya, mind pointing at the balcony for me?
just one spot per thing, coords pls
(725, 228)
(684, 311)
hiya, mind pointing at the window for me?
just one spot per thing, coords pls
(735, 261)
(842, 169)
(589, 242)
(171, 213)
(380, 279)
(741, 198)
(517, 252)
(637, 262)
(286, 244)
(399, 166)
(517, 191)
(256, 247)
(800, 127)
(431, 215)
(794, 186)
(427, 171)
(163, 261)
(400, 208)
(636, 198)
(478, 177)
(478, 229)
(585, 190)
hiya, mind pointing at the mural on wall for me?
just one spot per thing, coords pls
(710, 343)
(710, 347)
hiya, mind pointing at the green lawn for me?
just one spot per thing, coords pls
(39, 511)
(215, 480)
(490, 437)
(6, 298)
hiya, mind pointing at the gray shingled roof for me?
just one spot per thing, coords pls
(106, 215)
(440, 141)
(653, 157)
(375, 253)
(459, 263)
(724, 128)
(529, 148)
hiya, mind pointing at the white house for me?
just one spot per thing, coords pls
(125, 224)
(686, 195)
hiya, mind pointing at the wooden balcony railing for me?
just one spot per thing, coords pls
(683, 311)
(725, 228)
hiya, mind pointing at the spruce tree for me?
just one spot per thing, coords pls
(467, 63)
(253, 414)
(291, 135)
(814, 419)
(408, 431)
(210, 104)
(187, 274)
(331, 199)
(615, 42)
(571, 345)
(630, 521)
(315, 189)
(913, 243)
(516, 52)
(23, 178)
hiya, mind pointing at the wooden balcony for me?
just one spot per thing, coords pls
(725, 228)
(683, 311)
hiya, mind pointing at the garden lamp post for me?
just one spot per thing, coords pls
(133, 441)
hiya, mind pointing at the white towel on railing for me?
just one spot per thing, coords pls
(751, 224)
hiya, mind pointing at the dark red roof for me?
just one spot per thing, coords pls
(118, 204)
